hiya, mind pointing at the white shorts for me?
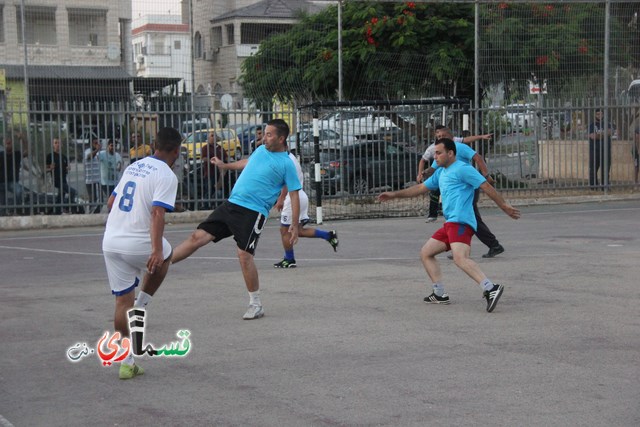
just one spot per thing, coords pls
(286, 215)
(126, 270)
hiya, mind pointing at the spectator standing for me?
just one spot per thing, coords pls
(599, 143)
(58, 164)
(635, 152)
(257, 140)
(92, 175)
(10, 163)
(110, 168)
(138, 148)
(213, 176)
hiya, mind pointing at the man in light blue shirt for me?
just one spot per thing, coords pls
(244, 215)
(468, 155)
(457, 182)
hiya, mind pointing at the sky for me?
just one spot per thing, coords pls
(154, 7)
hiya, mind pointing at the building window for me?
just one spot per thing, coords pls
(216, 37)
(87, 27)
(256, 33)
(230, 34)
(197, 45)
(40, 25)
(1, 24)
(177, 45)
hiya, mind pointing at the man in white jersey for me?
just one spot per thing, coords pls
(133, 239)
(284, 205)
(244, 215)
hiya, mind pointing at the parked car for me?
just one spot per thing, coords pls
(226, 138)
(329, 139)
(361, 124)
(189, 126)
(523, 116)
(363, 166)
(246, 134)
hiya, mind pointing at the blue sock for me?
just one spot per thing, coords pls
(288, 255)
(322, 234)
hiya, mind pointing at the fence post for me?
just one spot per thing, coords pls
(316, 165)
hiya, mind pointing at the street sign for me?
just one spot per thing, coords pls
(534, 88)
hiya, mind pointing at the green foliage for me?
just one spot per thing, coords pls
(389, 50)
(557, 42)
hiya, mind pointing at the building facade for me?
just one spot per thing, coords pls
(225, 32)
(162, 48)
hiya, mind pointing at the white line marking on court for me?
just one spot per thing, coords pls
(49, 250)
(5, 422)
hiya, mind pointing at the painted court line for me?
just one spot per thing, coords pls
(5, 422)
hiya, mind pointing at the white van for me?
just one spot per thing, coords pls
(189, 126)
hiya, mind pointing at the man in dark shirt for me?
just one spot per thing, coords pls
(599, 145)
(10, 162)
(58, 164)
(212, 176)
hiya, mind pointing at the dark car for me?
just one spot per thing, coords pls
(368, 165)
(246, 134)
(328, 139)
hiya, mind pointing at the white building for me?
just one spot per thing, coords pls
(162, 48)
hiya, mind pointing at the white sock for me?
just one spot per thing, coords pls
(129, 359)
(142, 300)
(487, 284)
(438, 289)
(254, 298)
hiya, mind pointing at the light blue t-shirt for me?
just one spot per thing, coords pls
(110, 167)
(262, 179)
(464, 153)
(457, 183)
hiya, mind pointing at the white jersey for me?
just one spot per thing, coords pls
(146, 183)
(285, 217)
(430, 152)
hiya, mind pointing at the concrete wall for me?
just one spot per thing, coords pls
(569, 159)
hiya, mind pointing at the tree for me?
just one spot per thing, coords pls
(555, 42)
(390, 51)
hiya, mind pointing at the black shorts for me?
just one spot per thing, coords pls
(229, 219)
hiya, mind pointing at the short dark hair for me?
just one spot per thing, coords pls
(438, 127)
(449, 145)
(168, 139)
(282, 128)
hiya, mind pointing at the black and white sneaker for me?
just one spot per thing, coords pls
(435, 299)
(493, 296)
(285, 263)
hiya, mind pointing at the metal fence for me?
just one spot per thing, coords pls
(539, 73)
(363, 148)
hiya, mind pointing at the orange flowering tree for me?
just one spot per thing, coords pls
(554, 41)
(389, 50)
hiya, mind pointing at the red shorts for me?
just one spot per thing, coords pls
(452, 232)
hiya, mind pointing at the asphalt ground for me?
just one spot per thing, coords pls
(346, 339)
